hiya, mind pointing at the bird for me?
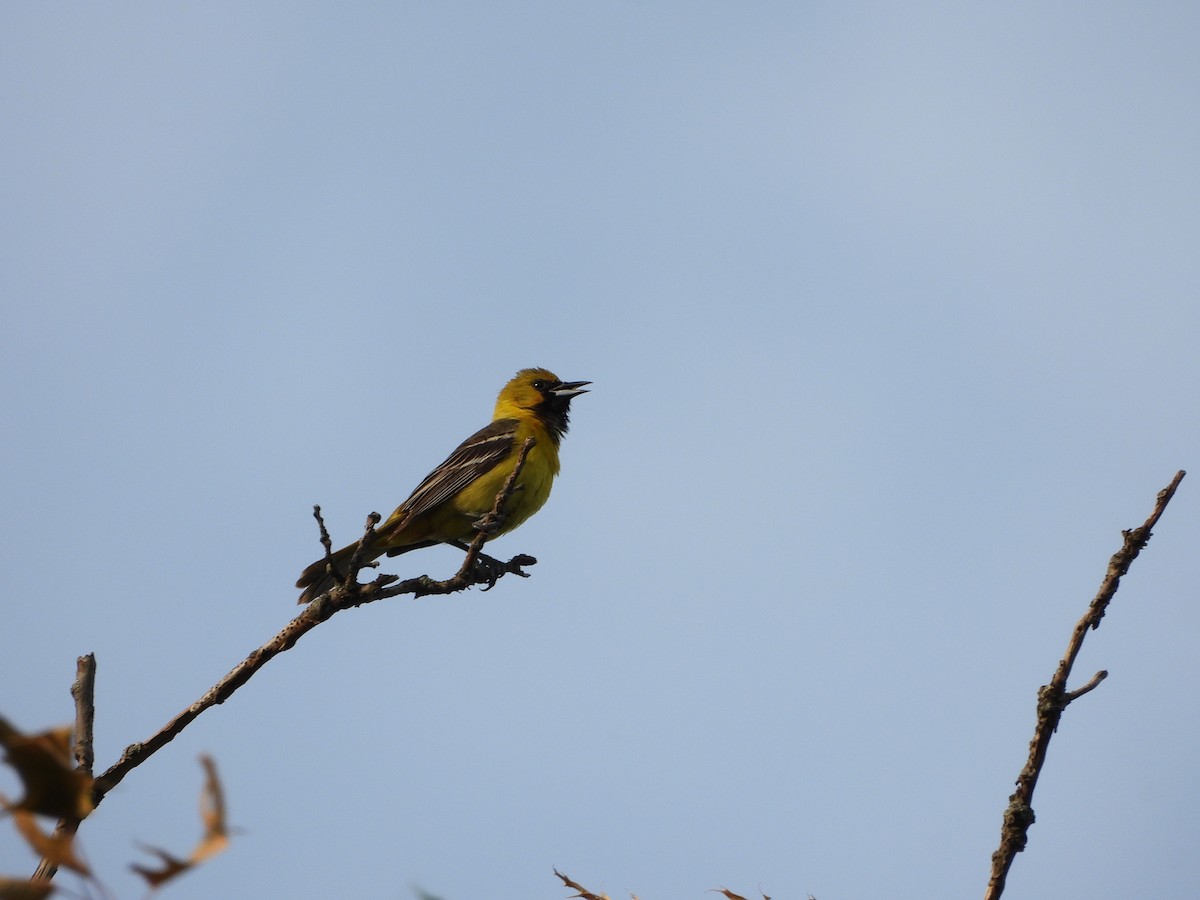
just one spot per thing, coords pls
(446, 507)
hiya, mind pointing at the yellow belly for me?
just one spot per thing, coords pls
(530, 494)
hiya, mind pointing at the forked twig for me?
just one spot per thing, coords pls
(1054, 697)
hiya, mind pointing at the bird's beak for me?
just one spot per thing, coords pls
(569, 389)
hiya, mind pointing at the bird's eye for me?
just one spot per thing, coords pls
(541, 385)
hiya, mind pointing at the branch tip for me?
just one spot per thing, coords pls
(1094, 683)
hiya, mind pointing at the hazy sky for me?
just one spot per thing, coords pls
(891, 311)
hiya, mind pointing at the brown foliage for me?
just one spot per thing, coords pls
(53, 786)
(215, 839)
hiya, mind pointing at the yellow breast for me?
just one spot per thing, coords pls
(531, 493)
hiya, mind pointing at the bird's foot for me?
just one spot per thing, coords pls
(489, 570)
(489, 524)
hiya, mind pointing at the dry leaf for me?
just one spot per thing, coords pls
(21, 889)
(584, 893)
(216, 834)
(53, 786)
(57, 849)
(212, 814)
(172, 866)
(730, 895)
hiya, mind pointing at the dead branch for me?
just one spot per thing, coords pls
(83, 690)
(1054, 697)
(347, 595)
(475, 569)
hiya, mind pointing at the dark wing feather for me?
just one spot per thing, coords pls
(475, 456)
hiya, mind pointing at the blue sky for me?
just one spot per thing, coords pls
(892, 316)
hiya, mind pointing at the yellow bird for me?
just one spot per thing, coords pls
(453, 497)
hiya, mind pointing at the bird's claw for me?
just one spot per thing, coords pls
(489, 524)
(489, 570)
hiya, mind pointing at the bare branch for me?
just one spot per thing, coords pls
(345, 596)
(84, 691)
(1053, 698)
(326, 542)
(356, 564)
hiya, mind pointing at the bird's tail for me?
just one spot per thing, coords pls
(316, 579)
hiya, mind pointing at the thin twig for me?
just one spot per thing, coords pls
(356, 564)
(494, 516)
(1054, 697)
(326, 541)
(324, 607)
(83, 689)
(1072, 696)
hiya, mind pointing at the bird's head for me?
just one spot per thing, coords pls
(544, 394)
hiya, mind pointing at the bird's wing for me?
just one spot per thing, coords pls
(474, 457)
